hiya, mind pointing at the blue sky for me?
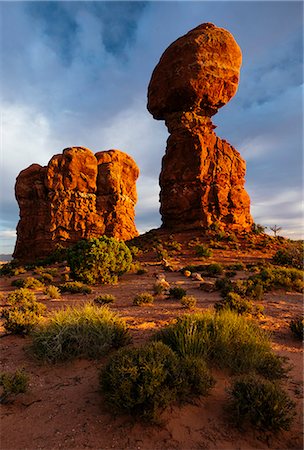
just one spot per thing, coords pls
(76, 74)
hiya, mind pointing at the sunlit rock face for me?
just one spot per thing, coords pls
(77, 195)
(202, 177)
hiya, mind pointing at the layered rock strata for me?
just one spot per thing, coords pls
(202, 178)
(78, 195)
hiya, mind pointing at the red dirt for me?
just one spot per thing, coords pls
(63, 408)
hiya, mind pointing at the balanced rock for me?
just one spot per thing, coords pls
(78, 195)
(202, 178)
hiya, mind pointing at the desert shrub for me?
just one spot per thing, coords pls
(291, 256)
(236, 266)
(234, 302)
(279, 278)
(257, 228)
(194, 268)
(9, 269)
(203, 251)
(13, 383)
(230, 273)
(214, 269)
(195, 378)
(173, 245)
(177, 292)
(161, 252)
(260, 402)
(23, 313)
(87, 331)
(188, 301)
(40, 270)
(225, 338)
(75, 287)
(46, 278)
(141, 271)
(273, 367)
(144, 298)
(145, 380)
(28, 283)
(52, 292)
(296, 326)
(104, 299)
(135, 251)
(99, 260)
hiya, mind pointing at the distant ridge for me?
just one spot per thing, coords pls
(5, 258)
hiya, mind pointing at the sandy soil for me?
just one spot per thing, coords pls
(63, 409)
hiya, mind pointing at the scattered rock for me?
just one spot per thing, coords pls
(207, 286)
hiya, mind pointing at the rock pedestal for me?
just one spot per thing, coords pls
(202, 178)
(79, 195)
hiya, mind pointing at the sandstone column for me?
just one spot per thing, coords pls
(202, 178)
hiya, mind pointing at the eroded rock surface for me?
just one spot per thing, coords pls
(78, 195)
(202, 178)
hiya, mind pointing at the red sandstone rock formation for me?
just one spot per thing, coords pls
(78, 195)
(202, 177)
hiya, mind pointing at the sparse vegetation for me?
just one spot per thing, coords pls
(188, 301)
(225, 339)
(291, 256)
(257, 228)
(235, 302)
(24, 312)
(13, 383)
(214, 269)
(28, 283)
(296, 326)
(75, 287)
(177, 292)
(145, 380)
(203, 251)
(87, 331)
(100, 260)
(52, 292)
(260, 402)
(145, 298)
(104, 299)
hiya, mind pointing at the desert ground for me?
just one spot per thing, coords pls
(63, 407)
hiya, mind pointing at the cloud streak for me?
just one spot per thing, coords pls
(76, 73)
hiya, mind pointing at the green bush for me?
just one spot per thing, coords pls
(13, 383)
(52, 292)
(75, 287)
(226, 339)
(291, 256)
(260, 402)
(104, 299)
(28, 283)
(234, 302)
(24, 312)
(188, 301)
(87, 331)
(144, 298)
(100, 260)
(46, 278)
(236, 266)
(145, 380)
(279, 278)
(177, 292)
(214, 269)
(296, 326)
(257, 228)
(203, 251)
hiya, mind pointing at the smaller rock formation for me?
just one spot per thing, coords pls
(78, 195)
(202, 178)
